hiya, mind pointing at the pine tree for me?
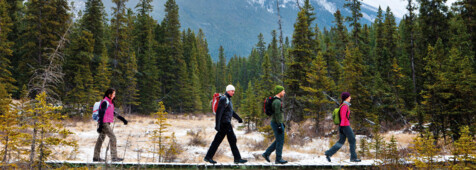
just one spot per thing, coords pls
(148, 77)
(130, 92)
(195, 83)
(355, 83)
(45, 23)
(317, 103)
(299, 65)
(424, 151)
(158, 135)
(464, 150)
(10, 129)
(78, 76)
(341, 33)
(93, 21)
(221, 69)
(275, 56)
(102, 78)
(48, 124)
(173, 54)
(6, 48)
(354, 7)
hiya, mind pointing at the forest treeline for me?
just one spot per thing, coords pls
(419, 71)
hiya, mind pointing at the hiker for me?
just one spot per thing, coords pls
(277, 123)
(223, 126)
(345, 131)
(106, 117)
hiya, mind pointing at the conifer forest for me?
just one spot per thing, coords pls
(56, 62)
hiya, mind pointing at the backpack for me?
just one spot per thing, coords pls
(216, 99)
(336, 115)
(268, 105)
(96, 107)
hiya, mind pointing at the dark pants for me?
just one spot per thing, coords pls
(278, 143)
(344, 132)
(225, 130)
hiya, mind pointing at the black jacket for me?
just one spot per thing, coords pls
(225, 112)
(102, 111)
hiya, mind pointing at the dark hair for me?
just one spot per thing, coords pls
(109, 92)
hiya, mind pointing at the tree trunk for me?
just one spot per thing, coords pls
(5, 150)
(33, 145)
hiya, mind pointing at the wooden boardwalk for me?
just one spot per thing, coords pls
(249, 165)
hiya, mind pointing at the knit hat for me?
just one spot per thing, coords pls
(344, 95)
(230, 87)
(278, 89)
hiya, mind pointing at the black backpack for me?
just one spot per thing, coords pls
(268, 105)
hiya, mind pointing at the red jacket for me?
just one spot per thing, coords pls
(344, 115)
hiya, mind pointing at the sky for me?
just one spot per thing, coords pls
(398, 7)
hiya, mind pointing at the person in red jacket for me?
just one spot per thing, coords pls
(345, 131)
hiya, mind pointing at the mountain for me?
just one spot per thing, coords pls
(235, 24)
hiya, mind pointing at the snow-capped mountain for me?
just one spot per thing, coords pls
(235, 24)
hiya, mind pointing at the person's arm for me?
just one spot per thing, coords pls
(237, 117)
(219, 112)
(120, 117)
(102, 111)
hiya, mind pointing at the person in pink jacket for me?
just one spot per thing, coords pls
(106, 117)
(345, 131)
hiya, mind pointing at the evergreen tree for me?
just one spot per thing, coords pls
(221, 70)
(317, 103)
(158, 135)
(464, 150)
(298, 66)
(341, 35)
(354, 7)
(78, 76)
(173, 54)
(148, 84)
(10, 128)
(355, 83)
(5, 47)
(102, 79)
(45, 23)
(94, 20)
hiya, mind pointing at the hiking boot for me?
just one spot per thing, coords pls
(281, 161)
(117, 159)
(355, 160)
(328, 158)
(209, 160)
(266, 157)
(241, 161)
(98, 160)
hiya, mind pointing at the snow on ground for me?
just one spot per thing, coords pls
(136, 135)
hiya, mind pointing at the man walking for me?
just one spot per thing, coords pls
(277, 123)
(223, 126)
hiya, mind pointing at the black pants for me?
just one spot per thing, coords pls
(225, 130)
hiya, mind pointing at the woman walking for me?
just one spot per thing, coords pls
(345, 131)
(106, 117)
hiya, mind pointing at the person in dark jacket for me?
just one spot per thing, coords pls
(277, 123)
(223, 126)
(345, 131)
(106, 117)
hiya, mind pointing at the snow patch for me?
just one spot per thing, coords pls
(329, 6)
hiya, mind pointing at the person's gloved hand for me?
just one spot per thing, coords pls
(99, 130)
(122, 119)
(240, 120)
(280, 128)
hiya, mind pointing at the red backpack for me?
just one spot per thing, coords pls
(215, 100)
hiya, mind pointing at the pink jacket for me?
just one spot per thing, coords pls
(109, 114)
(344, 115)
